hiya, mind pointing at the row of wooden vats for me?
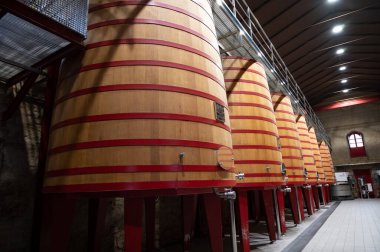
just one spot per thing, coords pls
(150, 110)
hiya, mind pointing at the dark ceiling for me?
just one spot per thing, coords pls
(302, 33)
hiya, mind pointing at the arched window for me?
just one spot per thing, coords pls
(356, 143)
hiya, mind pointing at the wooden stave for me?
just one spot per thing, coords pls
(327, 163)
(214, 178)
(289, 137)
(246, 84)
(307, 151)
(317, 155)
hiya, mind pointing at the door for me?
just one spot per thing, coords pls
(366, 175)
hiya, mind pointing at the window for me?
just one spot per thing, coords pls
(356, 144)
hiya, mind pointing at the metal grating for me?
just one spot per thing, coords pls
(240, 34)
(24, 44)
(71, 13)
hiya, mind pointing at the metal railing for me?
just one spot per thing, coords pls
(240, 34)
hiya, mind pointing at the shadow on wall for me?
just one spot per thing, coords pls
(17, 169)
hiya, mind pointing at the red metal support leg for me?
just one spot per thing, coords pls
(313, 207)
(316, 197)
(256, 205)
(309, 206)
(328, 194)
(97, 210)
(53, 72)
(281, 209)
(294, 206)
(189, 207)
(300, 202)
(133, 214)
(58, 214)
(242, 203)
(150, 223)
(269, 213)
(213, 207)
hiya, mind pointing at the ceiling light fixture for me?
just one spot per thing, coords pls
(345, 90)
(332, 1)
(342, 68)
(219, 2)
(343, 81)
(340, 51)
(337, 29)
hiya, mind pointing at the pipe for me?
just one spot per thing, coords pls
(233, 225)
(286, 190)
(230, 195)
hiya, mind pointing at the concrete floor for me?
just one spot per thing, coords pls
(353, 226)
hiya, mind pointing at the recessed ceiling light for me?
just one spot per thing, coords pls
(332, 1)
(241, 32)
(342, 68)
(219, 2)
(259, 54)
(344, 81)
(345, 90)
(337, 28)
(340, 51)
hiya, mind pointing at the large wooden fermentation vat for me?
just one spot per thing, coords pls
(317, 155)
(307, 151)
(253, 123)
(145, 106)
(290, 140)
(327, 163)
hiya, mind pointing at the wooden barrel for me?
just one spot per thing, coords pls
(327, 163)
(145, 106)
(317, 155)
(290, 140)
(253, 123)
(307, 150)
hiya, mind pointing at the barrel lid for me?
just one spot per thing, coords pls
(225, 157)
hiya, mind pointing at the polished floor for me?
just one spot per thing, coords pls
(353, 226)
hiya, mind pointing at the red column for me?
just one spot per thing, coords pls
(150, 223)
(133, 213)
(316, 197)
(281, 209)
(294, 206)
(53, 72)
(309, 206)
(242, 202)
(58, 214)
(213, 207)
(189, 204)
(269, 213)
(256, 205)
(97, 209)
(300, 201)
